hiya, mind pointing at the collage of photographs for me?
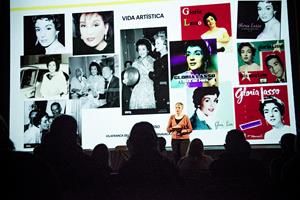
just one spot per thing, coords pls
(149, 69)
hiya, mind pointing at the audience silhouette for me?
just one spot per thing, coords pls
(147, 174)
(22, 175)
(291, 174)
(100, 156)
(79, 176)
(161, 145)
(235, 170)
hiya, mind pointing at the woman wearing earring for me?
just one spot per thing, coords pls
(47, 31)
(266, 13)
(93, 33)
(272, 109)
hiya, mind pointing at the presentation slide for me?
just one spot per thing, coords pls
(111, 64)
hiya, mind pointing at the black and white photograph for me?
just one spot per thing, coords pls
(259, 20)
(44, 34)
(95, 81)
(145, 74)
(45, 76)
(39, 115)
(93, 33)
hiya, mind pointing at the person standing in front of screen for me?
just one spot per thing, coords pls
(112, 88)
(95, 33)
(219, 33)
(142, 96)
(180, 127)
(205, 100)
(54, 83)
(47, 28)
(266, 13)
(276, 68)
(247, 52)
(273, 110)
(160, 74)
(95, 88)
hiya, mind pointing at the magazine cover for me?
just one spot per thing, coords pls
(211, 108)
(193, 63)
(262, 112)
(259, 20)
(261, 62)
(207, 22)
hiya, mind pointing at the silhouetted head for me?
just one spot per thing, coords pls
(161, 142)
(196, 148)
(64, 129)
(287, 143)
(236, 143)
(6, 145)
(100, 153)
(142, 139)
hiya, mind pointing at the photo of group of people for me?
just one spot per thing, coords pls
(86, 69)
(146, 71)
(38, 116)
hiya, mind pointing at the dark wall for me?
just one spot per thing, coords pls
(5, 61)
(294, 24)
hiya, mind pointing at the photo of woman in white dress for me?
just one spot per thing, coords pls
(142, 96)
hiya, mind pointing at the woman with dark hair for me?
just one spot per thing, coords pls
(142, 96)
(273, 110)
(95, 87)
(47, 28)
(247, 52)
(220, 34)
(266, 13)
(54, 83)
(198, 60)
(205, 100)
(41, 125)
(93, 33)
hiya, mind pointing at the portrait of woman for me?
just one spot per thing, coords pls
(78, 84)
(93, 33)
(267, 14)
(180, 127)
(197, 55)
(54, 83)
(205, 101)
(219, 33)
(95, 88)
(247, 52)
(49, 35)
(142, 96)
(273, 110)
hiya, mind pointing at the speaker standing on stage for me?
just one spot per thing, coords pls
(180, 127)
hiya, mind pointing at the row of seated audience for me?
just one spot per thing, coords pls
(59, 169)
